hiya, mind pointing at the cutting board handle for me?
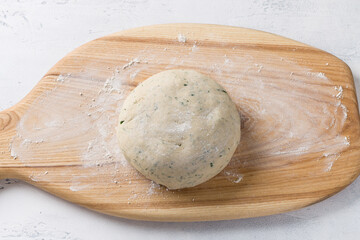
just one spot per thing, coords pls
(8, 122)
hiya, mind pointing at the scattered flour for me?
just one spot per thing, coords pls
(233, 176)
(181, 38)
(330, 158)
(194, 48)
(260, 67)
(347, 141)
(132, 62)
(62, 78)
(339, 95)
(153, 188)
(28, 141)
(297, 151)
(36, 177)
(133, 197)
(79, 187)
(134, 74)
(226, 60)
(317, 74)
(90, 127)
(13, 153)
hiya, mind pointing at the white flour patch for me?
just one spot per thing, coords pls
(28, 141)
(317, 74)
(298, 151)
(330, 158)
(344, 111)
(132, 62)
(91, 129)
(339, 89)
(233, 176)
(181, 38)
(153, 188)
(12, 150)
(36, 177)
(194, 48)
(260, 67)
(63, 77)
(133, 196)
(79, 187)
(134, 74)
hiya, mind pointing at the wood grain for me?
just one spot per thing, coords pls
(300, 136)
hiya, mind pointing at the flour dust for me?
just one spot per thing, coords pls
(80, 118)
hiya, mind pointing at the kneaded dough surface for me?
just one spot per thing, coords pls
(179, 128)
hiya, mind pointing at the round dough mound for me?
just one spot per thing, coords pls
(179, 128)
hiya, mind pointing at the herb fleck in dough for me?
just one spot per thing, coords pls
(179, 128)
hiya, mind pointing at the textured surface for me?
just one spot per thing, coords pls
(178, 128)
(31, 29)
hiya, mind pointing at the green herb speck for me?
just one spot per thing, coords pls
(221, 90)
(121, 122)
(192, 94)
(211, 164)
(185, 84)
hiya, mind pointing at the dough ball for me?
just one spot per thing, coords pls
(179, 128)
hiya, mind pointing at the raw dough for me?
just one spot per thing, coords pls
(179, 128)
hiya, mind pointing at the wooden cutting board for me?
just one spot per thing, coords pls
(300, 124)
